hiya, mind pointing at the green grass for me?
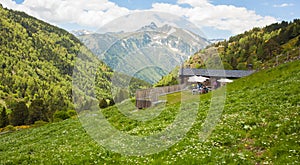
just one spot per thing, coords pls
(259, 124)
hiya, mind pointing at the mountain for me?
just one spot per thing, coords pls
(147, 53)
(37, 64)
(81, 32)
(45, 70)
(216, 40)
(259, 48)
(151, 26)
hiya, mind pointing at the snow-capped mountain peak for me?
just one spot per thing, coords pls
(164, 46)
(152, 26)
(81, 32)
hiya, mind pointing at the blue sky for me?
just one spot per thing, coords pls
(216, 18)
(262, 7)
(288, 11)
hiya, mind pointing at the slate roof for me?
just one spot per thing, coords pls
(215, 73)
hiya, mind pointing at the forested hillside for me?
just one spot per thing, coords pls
(37, 61)
(258, 48)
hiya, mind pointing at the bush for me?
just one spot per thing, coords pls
(103, 103)
(10, 128)
(227, 66)
(39, 123)
(3, 118)
(71, 112)
(62, 115)
(242, 66)
(111, 102)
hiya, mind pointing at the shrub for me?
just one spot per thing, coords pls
(63, 115)
(10, 128)
(241, 66)
(39, 123)
(227, 66)
(71, 112)
(103, 103)
(3, 118)
(111, 102)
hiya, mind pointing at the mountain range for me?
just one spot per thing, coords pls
(147, 53)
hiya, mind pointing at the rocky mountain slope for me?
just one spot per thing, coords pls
(148, 53)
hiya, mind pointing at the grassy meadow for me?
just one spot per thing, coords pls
(260, 124)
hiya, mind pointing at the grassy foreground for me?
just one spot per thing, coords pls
(260, 124)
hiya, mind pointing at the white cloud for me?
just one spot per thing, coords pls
(222, 17)
(284, 5)
(92, 13)
(96, 13)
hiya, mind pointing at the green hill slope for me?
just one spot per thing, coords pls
(260, 125)
(37, 62)
(259, 48)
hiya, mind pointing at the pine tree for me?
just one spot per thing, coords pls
(271, 49)
(3, 118)
(260, 52)
(19, 113)
(298, 42)
(37, 111)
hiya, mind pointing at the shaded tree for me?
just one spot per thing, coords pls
(271, 49)
(37, 111)
(3, 118)
(103, 103)
(19, 113)
(298, 42)
(233, 62)
(260, 52)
